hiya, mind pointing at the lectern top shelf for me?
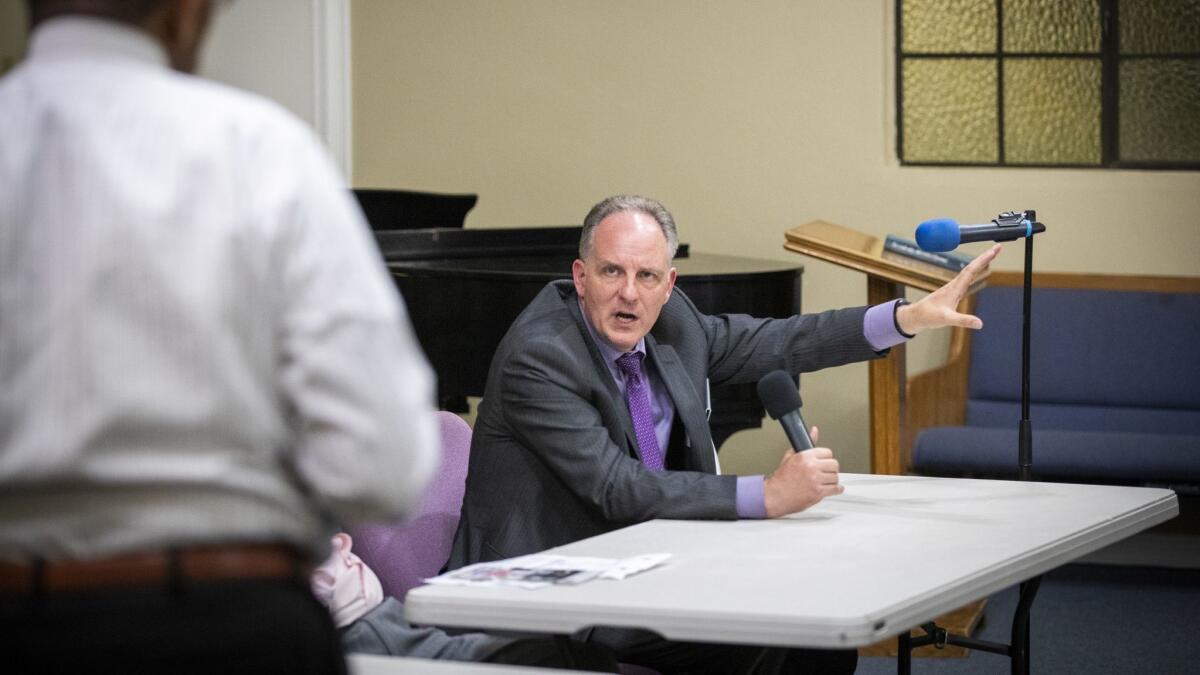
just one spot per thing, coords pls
(864, 252)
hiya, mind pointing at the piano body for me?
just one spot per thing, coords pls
(464, 287)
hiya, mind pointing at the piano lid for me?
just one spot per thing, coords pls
(543, 253)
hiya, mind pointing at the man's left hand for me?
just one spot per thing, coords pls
(940, 308)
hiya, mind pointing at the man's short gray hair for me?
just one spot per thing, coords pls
(622, 203)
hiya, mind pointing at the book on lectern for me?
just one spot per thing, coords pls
(906, 250)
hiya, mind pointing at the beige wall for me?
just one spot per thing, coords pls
(265, 46)
(745, 118)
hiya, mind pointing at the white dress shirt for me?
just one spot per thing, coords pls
(198, 339)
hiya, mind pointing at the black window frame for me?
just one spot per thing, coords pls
(1110, 57)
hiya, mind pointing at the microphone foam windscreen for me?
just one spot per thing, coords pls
(938, 234)
(777, 391)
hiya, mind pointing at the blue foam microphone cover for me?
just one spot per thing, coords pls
(938, 234)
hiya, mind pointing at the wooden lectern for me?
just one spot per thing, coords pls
(888, 274)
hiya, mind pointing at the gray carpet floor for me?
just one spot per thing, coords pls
(1089, 619)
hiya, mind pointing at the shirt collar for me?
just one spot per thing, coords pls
(82, 37)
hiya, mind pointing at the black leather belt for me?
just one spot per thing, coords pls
(257, 561)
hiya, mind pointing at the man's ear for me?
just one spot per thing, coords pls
(578, 270)
(671, 281)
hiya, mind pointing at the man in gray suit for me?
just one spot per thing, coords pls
(594, 413)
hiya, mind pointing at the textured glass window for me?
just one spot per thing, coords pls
(940, 26)
(1160, 26)
(951, 115)
(1099, 83)
(1160, 110)
(1052, 111)
(1051, 26)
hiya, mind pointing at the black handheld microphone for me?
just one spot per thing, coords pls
(945, 234)
(777, 391)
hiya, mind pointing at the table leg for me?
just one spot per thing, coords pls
(904, 654)
(1017, 650)
(1020, 627)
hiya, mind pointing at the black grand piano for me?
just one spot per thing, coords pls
(464, 287)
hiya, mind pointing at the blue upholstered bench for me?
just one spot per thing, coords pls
(1114, 387)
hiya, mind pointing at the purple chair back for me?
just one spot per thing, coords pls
(402, 553)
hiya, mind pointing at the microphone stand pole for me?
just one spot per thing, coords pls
(1017, 648)
(1019, 642)
(1025, 443)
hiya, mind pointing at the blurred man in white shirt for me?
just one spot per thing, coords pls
(203, 362)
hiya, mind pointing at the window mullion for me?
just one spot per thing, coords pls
(1110, 84)
(1000, 82)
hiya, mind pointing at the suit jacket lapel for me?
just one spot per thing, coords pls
(688, 406)
(600, 368)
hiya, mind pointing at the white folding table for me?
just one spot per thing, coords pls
(889, 554)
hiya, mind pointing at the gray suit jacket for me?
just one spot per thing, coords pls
(384, 630)
(554, 455)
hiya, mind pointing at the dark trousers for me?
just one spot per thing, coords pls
(555, 652)
(274, 626)
(649, 649)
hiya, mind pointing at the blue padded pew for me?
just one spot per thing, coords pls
(1114, 384)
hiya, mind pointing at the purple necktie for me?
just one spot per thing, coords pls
(639, 409)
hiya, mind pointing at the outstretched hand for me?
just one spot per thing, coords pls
(940, 308)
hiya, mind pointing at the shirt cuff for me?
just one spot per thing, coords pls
(879, 326)
(751, 503)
